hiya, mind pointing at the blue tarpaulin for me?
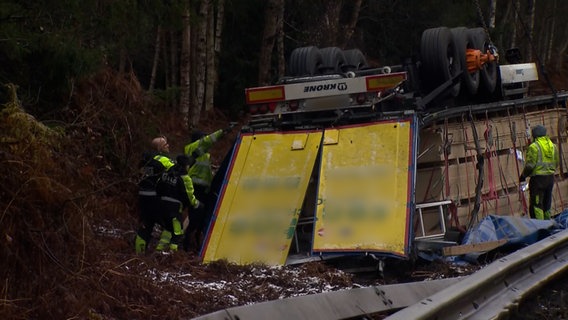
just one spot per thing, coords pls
(516, 230)
(562, 219)
(512, 229)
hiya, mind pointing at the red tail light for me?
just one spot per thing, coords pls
(272, 106)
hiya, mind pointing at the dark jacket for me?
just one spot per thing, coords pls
(175, 184)
(153, 165)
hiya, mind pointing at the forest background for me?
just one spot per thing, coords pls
(195, 55)
(86, 84)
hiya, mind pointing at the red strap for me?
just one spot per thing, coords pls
(446, 164)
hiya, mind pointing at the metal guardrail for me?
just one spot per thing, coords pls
(341, 304)
(492, 291)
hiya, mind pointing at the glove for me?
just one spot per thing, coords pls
(524, 186)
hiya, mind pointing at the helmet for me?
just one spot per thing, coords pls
(161, 144)
(538, 131)
(196, 135)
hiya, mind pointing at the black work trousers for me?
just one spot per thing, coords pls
(540, 190)
(149, 207)
(172, 219)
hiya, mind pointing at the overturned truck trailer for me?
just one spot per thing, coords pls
(343, 158)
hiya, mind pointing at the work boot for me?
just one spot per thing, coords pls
(164, 241)
(139, 245)
(538, 213)
(177, 236)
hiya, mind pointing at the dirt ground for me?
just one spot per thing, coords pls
(68, 214)
(549, 303)
(199, 289)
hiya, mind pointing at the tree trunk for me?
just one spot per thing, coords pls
(540, 44)
(546, 38)
(506, 21)
(531, 17)
(185, 68)
(280, 44)
(194, 63)
(210, 47)
(350, 26)
(330, 22)
(562, 51)
(167, 66)
(173, 58)
(492, 10)
(271, 23)
(218, 33)
(175, 64)
(516, 17)
(552, 31)
(201, 60)
(156, 59)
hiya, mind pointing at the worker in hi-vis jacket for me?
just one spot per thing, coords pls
(175, 190)
(201, 174)
(153, 164)
(541, 161)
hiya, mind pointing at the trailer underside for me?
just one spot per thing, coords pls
(375, 183)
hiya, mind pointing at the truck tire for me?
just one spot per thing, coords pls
(355, 60)
(333, 60)
(487, 74)
(465, 40)
(440, 60)
(305, 61)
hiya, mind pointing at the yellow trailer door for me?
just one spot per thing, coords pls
(366, 188)
(261, 198)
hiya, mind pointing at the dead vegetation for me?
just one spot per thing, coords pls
(68, 214)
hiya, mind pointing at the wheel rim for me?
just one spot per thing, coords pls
(465, 40)
(488, 73)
